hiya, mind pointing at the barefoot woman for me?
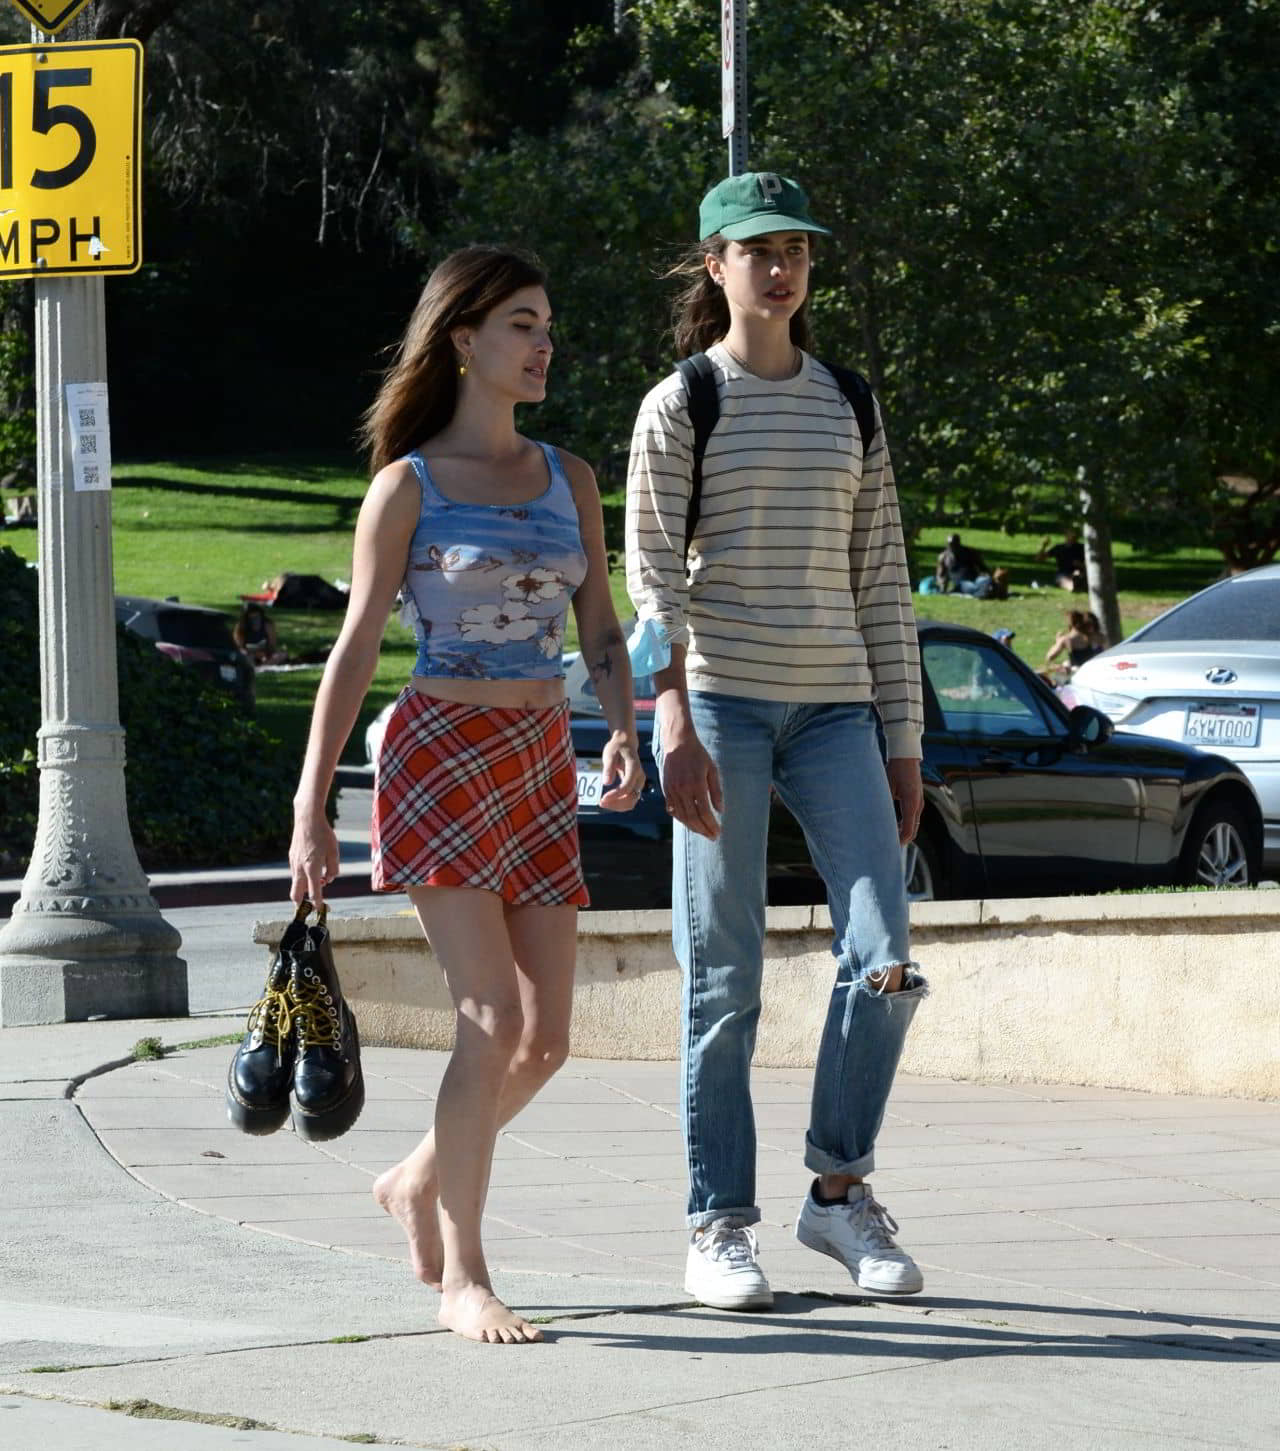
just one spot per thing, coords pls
(490, 535)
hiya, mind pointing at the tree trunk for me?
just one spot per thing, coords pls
(1098, 562)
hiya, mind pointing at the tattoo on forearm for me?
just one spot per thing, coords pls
(602, 668)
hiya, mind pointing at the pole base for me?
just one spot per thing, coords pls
(64, 967)
(40, 990)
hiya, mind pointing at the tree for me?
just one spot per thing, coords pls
(1227, 57)
(1054, 247)
(1015, 189)
(300, 161)
(17, 388)
(606, 201)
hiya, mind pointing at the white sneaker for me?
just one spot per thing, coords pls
(859, 1233)
(722, 1271)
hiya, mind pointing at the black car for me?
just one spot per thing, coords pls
(193, 636)
(1022, 797)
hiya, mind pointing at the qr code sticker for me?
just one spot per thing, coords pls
(91, 475)
(88, 418)
(88, 443)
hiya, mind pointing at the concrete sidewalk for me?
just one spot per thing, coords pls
(1102, 1270)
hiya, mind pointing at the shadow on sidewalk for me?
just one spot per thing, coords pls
(770, 1333)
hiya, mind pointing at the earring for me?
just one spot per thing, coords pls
(462, 370)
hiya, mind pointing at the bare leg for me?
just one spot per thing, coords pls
(409, 1191)
(543, 940)
(488, 1080)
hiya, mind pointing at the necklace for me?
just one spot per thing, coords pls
(797, 362)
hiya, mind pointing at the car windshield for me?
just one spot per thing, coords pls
(1246, 609)
(194, 630)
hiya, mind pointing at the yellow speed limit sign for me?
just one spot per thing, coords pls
(70, 139)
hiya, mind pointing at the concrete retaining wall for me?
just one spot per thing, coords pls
(1170, 993)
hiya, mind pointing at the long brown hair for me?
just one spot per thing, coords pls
(420, 390)
(700, 312)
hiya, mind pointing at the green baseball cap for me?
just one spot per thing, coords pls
(753, 203)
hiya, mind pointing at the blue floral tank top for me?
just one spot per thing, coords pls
(487, 586)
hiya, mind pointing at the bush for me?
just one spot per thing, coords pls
(204, 785)
(17, 396)
(19, 709)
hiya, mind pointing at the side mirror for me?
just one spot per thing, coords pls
(1088, 727)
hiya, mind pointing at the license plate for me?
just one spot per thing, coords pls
(1222, 725)
(228, 672)
(590, 783)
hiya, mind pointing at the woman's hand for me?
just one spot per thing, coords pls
(620, 762)
(313, 857)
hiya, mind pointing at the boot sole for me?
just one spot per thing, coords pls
(333, 1122)
(251, 1120)
(813, 1242)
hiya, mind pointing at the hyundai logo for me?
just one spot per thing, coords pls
(1220, 675)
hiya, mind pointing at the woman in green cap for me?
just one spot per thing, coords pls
(794, 667)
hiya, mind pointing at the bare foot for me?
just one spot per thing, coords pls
(476, 1313)
(415, 1210)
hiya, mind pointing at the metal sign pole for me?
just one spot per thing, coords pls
(85, 938)
(733, 81)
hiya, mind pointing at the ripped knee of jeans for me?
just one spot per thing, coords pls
(875, 980)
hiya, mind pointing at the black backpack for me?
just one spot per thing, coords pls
(699, 377)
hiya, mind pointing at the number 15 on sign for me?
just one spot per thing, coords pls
(70, 140)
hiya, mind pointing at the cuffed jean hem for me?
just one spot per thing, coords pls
(823, 1163)
(748, 1215)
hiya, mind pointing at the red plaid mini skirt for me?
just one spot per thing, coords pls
(478, 796)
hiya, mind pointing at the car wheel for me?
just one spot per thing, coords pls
(922, 867)
(1216, 853)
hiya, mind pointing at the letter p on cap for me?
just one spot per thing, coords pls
(770, 186)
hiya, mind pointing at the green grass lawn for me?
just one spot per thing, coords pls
(209, 531)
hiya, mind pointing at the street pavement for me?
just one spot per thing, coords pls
(215, 910)
(1102, 1267)
(259, 882)
(225, 967)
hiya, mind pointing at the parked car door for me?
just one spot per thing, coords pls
(1047, 812)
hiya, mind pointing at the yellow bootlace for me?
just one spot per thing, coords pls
(271, 1018)
(315, 1014)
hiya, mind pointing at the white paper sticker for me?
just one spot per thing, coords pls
(90, 435)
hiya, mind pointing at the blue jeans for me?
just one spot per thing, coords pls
(827, 764)
(980, 586)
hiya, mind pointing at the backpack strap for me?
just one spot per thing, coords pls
(858, 392)
(699, 376)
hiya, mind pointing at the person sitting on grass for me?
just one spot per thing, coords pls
(1082, 639)
(1068, 561)
(963, 569)
(256, 636)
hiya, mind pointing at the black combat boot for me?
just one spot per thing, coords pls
(262, 1069)
(328, 1085)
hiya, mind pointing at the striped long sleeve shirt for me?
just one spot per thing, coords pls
(797, 586)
